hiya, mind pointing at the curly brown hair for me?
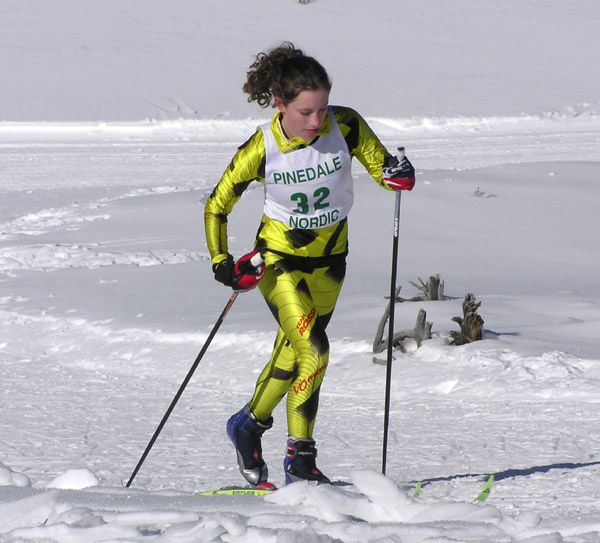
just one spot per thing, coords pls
(283, 72)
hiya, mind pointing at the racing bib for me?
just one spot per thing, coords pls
(311, 187)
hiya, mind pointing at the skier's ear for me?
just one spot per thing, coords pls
(279, 104)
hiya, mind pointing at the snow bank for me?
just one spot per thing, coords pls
(74, 479)
(233, 131)
(375, 508)
(9, 478)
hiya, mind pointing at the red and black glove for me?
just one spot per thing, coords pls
(398, 172)
(248, 271)
(243, 274)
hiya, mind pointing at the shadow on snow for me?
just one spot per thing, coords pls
(509, 473)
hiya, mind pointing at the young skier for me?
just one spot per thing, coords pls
(303, 158)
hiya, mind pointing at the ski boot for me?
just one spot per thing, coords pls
(299, 462)
(245, 433)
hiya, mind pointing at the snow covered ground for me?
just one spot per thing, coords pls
(106, 294)
(116, 60)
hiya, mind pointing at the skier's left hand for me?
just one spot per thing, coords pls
(398, 173)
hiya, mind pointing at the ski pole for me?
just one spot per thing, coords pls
(390, 345)
(183, 385)
(256, 261)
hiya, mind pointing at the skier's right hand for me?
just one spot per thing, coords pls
(248, 271)
(241, 275)
(224, 271)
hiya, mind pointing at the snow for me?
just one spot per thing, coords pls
(120, 60)
(117, 120)
(75, 479)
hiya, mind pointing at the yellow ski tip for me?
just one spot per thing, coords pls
(485, 492)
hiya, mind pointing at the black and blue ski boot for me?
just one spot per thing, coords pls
(245, 433)
(299, 463)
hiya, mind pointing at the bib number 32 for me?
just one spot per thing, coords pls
(303, 200)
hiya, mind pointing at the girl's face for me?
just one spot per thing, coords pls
(303, 116)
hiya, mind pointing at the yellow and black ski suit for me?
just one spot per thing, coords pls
(305, 267)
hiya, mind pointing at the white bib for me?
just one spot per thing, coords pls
(312, 187)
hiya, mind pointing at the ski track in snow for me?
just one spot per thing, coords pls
(86, 392)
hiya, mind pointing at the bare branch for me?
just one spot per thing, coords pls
(381, 327)
(432, 290)
(419, 333)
